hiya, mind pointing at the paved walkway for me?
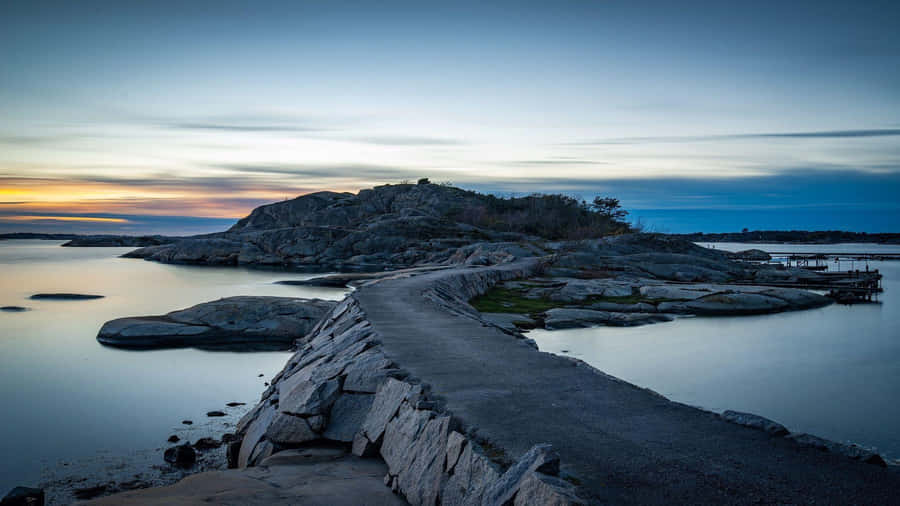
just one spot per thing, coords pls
(625, 444)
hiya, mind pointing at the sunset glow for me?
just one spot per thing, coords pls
(664, 106)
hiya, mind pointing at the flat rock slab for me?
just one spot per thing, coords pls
(272, 322)
(292, 479)
(64, 296)
(567, 318)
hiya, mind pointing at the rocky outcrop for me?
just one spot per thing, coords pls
(14, 309)
(391, 226)
(627, 300)
(119, 240)
(273, 322)
(568, 318)
(751, 255)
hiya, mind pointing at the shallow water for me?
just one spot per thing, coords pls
(66, 397)
(833, 372)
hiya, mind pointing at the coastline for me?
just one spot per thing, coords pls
(445, 294)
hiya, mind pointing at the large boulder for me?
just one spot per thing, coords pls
(273, 322)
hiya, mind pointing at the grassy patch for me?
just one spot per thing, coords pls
(505, 300)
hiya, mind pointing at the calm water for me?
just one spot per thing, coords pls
(65, 397)
(833, 372)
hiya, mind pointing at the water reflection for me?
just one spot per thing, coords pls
(64, 396)
(833, 372)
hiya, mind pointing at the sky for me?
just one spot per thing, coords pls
(180, 117)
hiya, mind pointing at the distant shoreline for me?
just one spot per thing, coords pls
(749, 237)
(793, 237)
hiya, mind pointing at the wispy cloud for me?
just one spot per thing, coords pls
(361, 172)
(403, 140)
(825, 134)
(247, 128)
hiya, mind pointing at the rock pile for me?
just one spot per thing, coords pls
(341, 387)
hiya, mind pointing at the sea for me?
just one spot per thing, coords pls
(833, 372)
(70, 404)
(71, 407)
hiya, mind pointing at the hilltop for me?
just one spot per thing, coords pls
(389, 226)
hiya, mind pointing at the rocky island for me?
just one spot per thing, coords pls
(269, 322)
(422, 374)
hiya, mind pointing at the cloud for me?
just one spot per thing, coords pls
(826, 134)
(554, 161)
(231, 127)
(350, 171)
(401, 140)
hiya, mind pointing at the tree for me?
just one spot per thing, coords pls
(424, 180)
(609, 207)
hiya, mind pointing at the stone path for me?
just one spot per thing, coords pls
(624, 444)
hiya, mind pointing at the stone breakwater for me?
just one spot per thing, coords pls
(341, 386)
(462, 411)
(465, 412)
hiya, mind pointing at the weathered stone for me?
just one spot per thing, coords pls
(310, 398)
(181, 456)
(540, 458)
(256, 430)
(206, 443)
(539, 488)
(262, 451)
(274, 321)
(289, 429)
(388, 398)
(347, 415)
(399, 436)
(455, 444)
(566, 318)
(362, 447)
(316, 422)
(473, 474)
(300, 376)
(422, 478)
(757, 422)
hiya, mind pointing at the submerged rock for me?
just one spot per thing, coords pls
(181, 456)
(207, 443)
(274, 322)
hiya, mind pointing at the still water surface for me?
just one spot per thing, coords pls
(833, 372)
(63, 396)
